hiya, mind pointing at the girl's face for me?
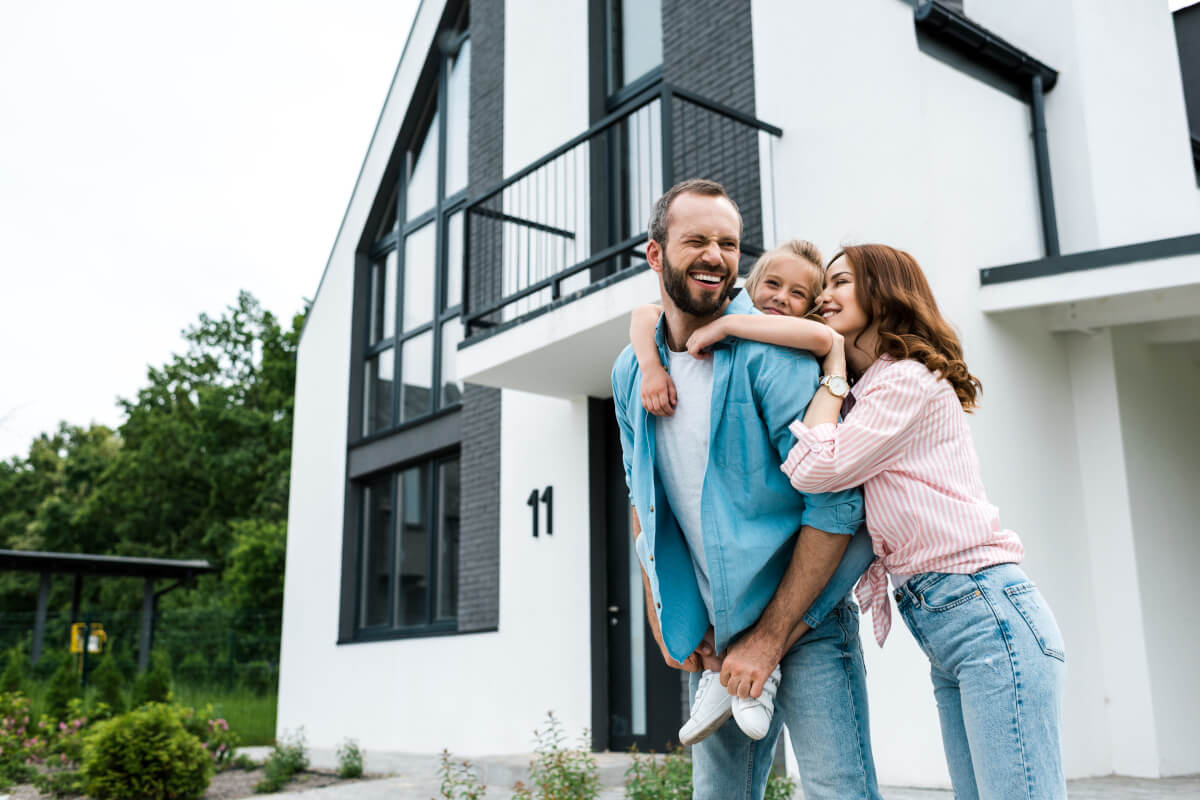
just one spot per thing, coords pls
(839, 301)
(788, 286)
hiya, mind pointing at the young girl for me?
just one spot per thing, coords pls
(785, 284)
(996, 654)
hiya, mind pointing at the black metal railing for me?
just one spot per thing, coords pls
(579, 214)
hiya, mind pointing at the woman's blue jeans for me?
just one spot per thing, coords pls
(823, 700)
(998, 667)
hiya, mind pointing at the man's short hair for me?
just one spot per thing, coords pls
(662, 206)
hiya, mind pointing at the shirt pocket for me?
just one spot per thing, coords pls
(1028, 601)
(741, 443)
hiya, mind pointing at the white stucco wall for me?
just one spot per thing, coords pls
(1158, 386)
(1116, 121)
(926, 158)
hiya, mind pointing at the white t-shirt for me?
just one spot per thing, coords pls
(681, 452)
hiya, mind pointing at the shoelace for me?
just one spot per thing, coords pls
(706, 679)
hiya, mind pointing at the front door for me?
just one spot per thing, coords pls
(641, 700)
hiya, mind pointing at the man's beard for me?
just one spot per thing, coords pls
(676, 283)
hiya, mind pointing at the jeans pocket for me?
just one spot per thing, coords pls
(1028, 602)
(946, 591)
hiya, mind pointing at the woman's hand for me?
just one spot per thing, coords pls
(658, 392)
(834, 362)
(705, 337)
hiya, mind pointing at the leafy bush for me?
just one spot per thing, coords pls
(558, 772)
(153, 685)
(459, 781)
(256, 677)
(110, 684)
(194, 670)
(350, 759)
(14, 671)
(779, 787)
(16, 738)
(213, 732)
(64, 687)
(145, 755)
(287, 758)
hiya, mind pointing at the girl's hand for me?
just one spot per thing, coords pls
(705, 337)
(834, 362)
(658, 392)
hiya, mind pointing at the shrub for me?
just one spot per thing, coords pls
(287, 758)
(145, 755)
(16, 739)
(350, 759)
(213, 732)
(14, 671)
(669, 777)
(153, 685)
(558, 772)
(256, 677)
(63, 688)
(194, 670)
(110, 684)
(459, 781)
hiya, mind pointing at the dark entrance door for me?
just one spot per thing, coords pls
(638, 699)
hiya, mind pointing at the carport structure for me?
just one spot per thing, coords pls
(81, 564)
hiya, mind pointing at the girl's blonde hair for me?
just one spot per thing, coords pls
(798, 248)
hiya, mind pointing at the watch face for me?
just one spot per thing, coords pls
(838, 385)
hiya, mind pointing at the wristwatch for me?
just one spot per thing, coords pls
(836, 384)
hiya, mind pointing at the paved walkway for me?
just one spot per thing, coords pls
(414, 777)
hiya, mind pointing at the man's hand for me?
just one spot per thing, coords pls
(749, 662)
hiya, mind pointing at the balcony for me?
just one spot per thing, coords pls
(554, 256)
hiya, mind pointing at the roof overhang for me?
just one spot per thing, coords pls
(110, 566)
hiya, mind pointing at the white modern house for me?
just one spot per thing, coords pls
(459, 550)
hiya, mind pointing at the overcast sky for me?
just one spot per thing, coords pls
(155, 158)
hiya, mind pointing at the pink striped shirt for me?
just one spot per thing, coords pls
(907, 443)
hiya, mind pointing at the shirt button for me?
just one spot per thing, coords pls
(651, 509)
(651, 558)
(658, 605)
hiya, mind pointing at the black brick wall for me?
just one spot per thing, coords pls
(708, 48)
(479, 545)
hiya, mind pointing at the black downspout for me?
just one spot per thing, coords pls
(1041, 155)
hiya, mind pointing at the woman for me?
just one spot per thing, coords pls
(995, 651)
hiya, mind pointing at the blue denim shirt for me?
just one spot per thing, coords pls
(750, 512)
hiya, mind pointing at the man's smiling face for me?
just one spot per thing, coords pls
(699, 264)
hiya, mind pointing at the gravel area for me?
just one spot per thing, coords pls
(231, 784)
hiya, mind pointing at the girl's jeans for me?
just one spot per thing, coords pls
(998, 668)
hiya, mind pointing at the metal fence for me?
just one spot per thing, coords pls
(579, 214)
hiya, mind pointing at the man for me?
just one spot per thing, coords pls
(726, 545)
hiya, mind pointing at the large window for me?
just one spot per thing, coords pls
(408, 575)
(415, 282)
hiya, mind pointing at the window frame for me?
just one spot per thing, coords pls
(377, 252)
(430, 467)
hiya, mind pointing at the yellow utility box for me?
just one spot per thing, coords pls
(96, 637)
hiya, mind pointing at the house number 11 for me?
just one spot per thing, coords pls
(547, 497)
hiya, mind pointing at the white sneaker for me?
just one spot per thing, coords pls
(709, 711)
(754, 716)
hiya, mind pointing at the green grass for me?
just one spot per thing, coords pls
(250, 715)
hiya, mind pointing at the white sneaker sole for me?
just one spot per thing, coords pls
(708, 730)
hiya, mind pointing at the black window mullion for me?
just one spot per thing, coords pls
(439, 252)
(431, 538)
(393, 549)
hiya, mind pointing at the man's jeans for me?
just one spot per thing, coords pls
(998, 670)
(823, 700)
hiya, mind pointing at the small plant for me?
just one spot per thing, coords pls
(213, 732)
(153, 685)
(350, 759)
(558, 772)
(286, 760)
(64, 687)
(779, 787)
(243, 762)
(145, 754)
(659, 778)
(14, 671)
(110, 684)
(459, 781)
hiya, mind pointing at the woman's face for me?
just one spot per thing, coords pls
(839, 301)
(786, 287)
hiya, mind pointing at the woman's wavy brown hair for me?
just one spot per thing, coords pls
(892, 290)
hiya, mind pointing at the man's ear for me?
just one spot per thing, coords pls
(654, 255)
